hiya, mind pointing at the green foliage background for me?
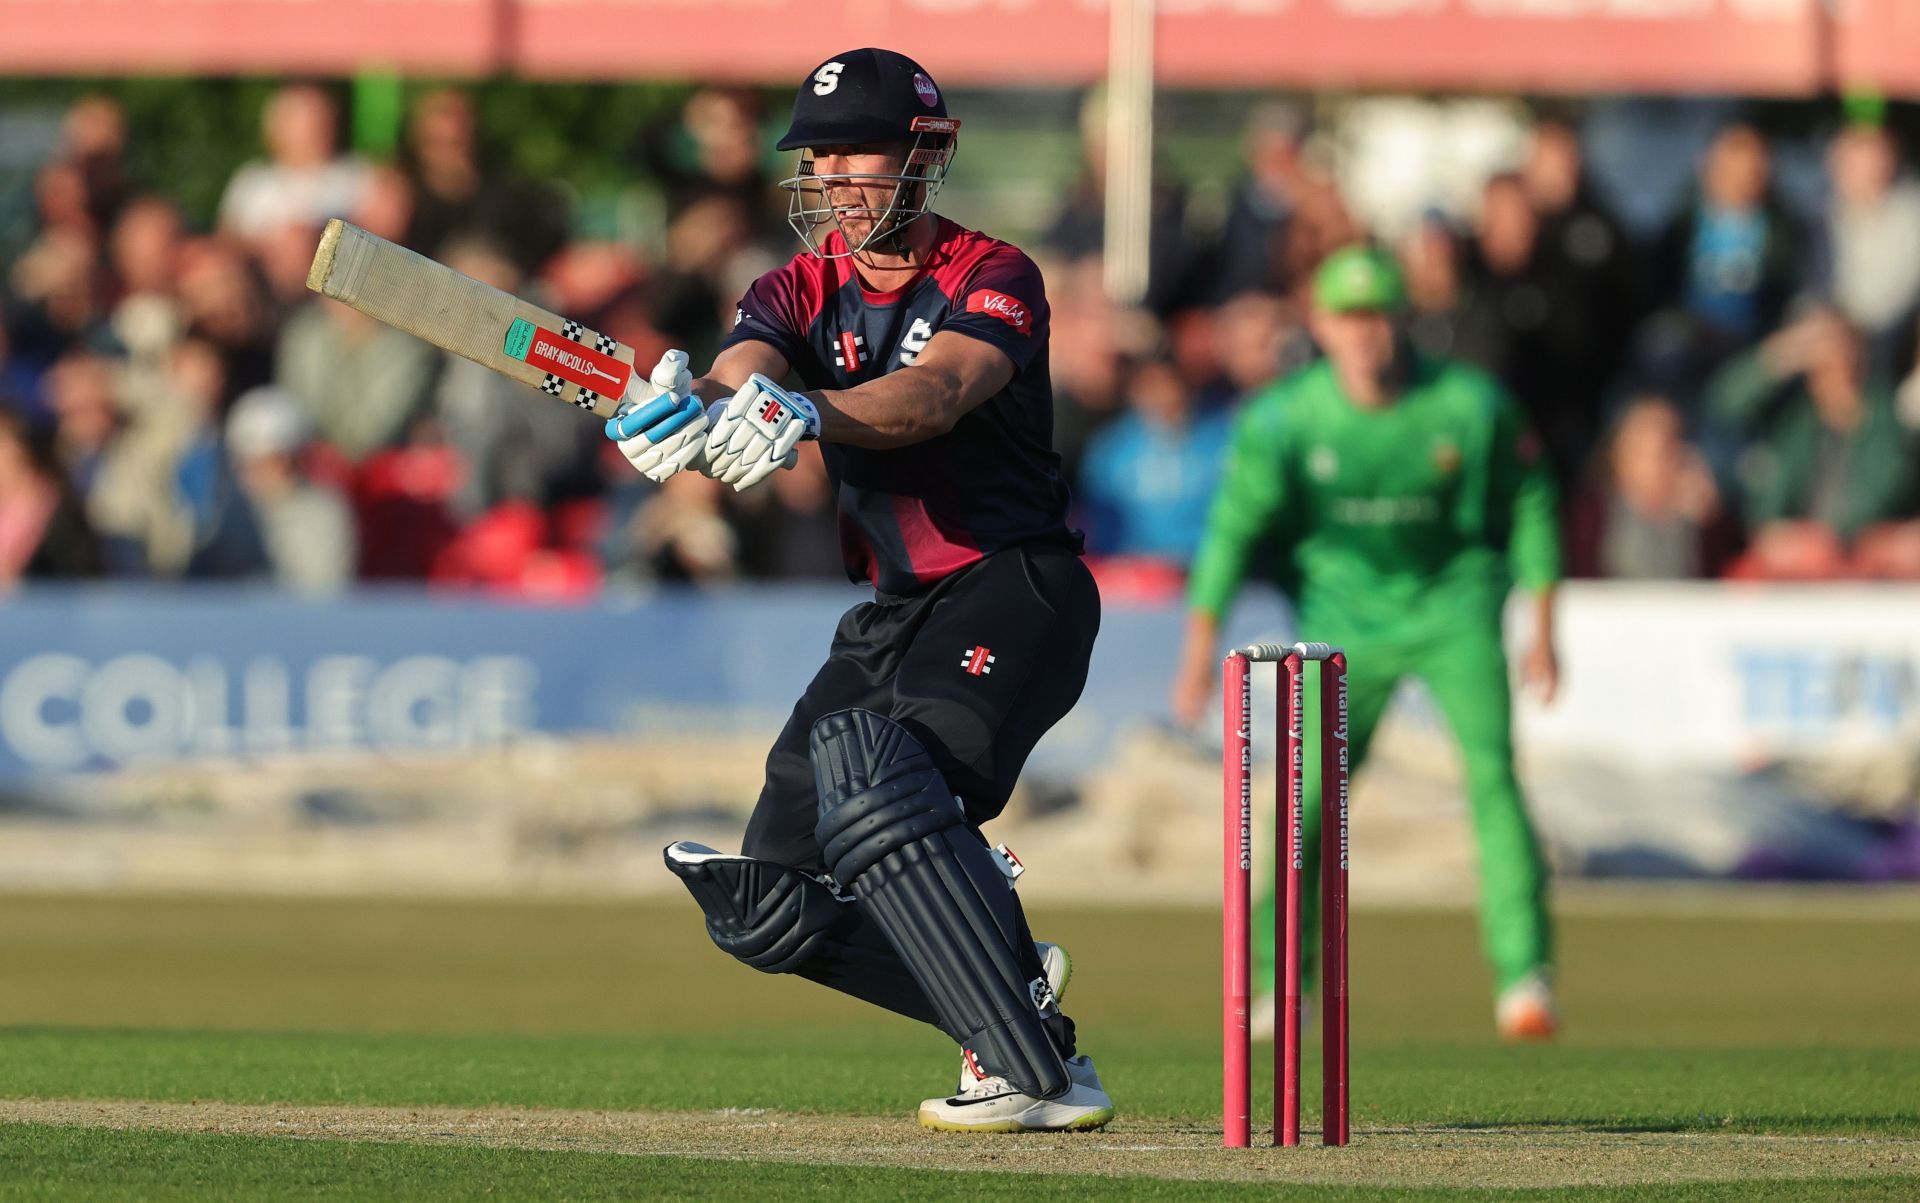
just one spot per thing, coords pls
(186, 136)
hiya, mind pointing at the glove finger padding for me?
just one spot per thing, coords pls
(759, 471)
(660, 426)
(729, 419)
(788, 440)
(672, 375)
(665, 446)
(669, 458)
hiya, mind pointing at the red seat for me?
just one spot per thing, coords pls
(579, 524)
(401, 502)
(493, 549)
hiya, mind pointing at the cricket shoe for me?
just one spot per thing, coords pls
(993, 1104)
(1059, 970)
(1525, 1010)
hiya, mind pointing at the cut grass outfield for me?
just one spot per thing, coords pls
(1745, 1052)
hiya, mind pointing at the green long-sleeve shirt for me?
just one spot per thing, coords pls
(1874, 476)
(1388, 523)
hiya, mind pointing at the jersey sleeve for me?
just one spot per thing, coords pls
(1003, 302)
(1523, 498)
(777, 310)
(1253, 489)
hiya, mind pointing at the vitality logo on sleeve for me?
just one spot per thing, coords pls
(1002, 306)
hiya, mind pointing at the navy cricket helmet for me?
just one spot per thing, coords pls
(868, 98)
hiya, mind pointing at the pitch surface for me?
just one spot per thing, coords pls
(1750, 1045)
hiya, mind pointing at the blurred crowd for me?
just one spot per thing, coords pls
(1734, 397)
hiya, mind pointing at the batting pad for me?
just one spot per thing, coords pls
(893, 834)
(780, 920)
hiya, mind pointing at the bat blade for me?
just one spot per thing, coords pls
(474, 320)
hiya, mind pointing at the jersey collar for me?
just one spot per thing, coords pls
(945, 234)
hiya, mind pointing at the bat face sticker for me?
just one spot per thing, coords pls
(519, 338)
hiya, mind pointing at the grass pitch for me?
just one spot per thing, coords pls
(1759, 1046)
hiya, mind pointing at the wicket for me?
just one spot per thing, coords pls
(1290, 859)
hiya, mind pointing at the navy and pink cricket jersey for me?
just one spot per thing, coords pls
(910, 516)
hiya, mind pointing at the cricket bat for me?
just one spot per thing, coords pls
(476, 321)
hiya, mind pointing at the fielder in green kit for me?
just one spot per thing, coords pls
(1405, 498)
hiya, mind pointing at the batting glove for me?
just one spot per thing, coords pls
(660, 425)
(755, 432)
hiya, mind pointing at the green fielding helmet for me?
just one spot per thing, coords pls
(1358, 277)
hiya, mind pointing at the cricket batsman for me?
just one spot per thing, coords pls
(1404, 497)
(922, 349)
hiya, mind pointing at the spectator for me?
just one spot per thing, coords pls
(225, 306)
(1321, 223)
(677, 532)
(58, 305)
(1433, 257)
(360, 382)
(304, 179)
(712, 150)
(459, 193)
(604, 285)
(306, 529)
(93, 141)
(1733, 257)
(1652, 510)
(1079, 229)
(282, 260)
(146, 319)
(1500, 319)
(514, 448)
(62, 202)
(1532, 315)
(1826, 459)
(1252, 254)
(1501, 264)
(1149, 475)
(43, 529)
(86, 418)
(1873, 235)
(16, 382)
(788, 530)
(1258, 341)
(386, 204)
(153, 481)
(1589, 268)
(1088, 333)
(711, 259)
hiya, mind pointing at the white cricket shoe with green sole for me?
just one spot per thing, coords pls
(984, 1104)
(994, 1105)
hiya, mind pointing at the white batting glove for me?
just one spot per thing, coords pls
(660, 425)
(757, 431)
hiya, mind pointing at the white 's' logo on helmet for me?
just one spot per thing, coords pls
(827, 78)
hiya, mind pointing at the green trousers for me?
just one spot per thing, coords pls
(1466, 674)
